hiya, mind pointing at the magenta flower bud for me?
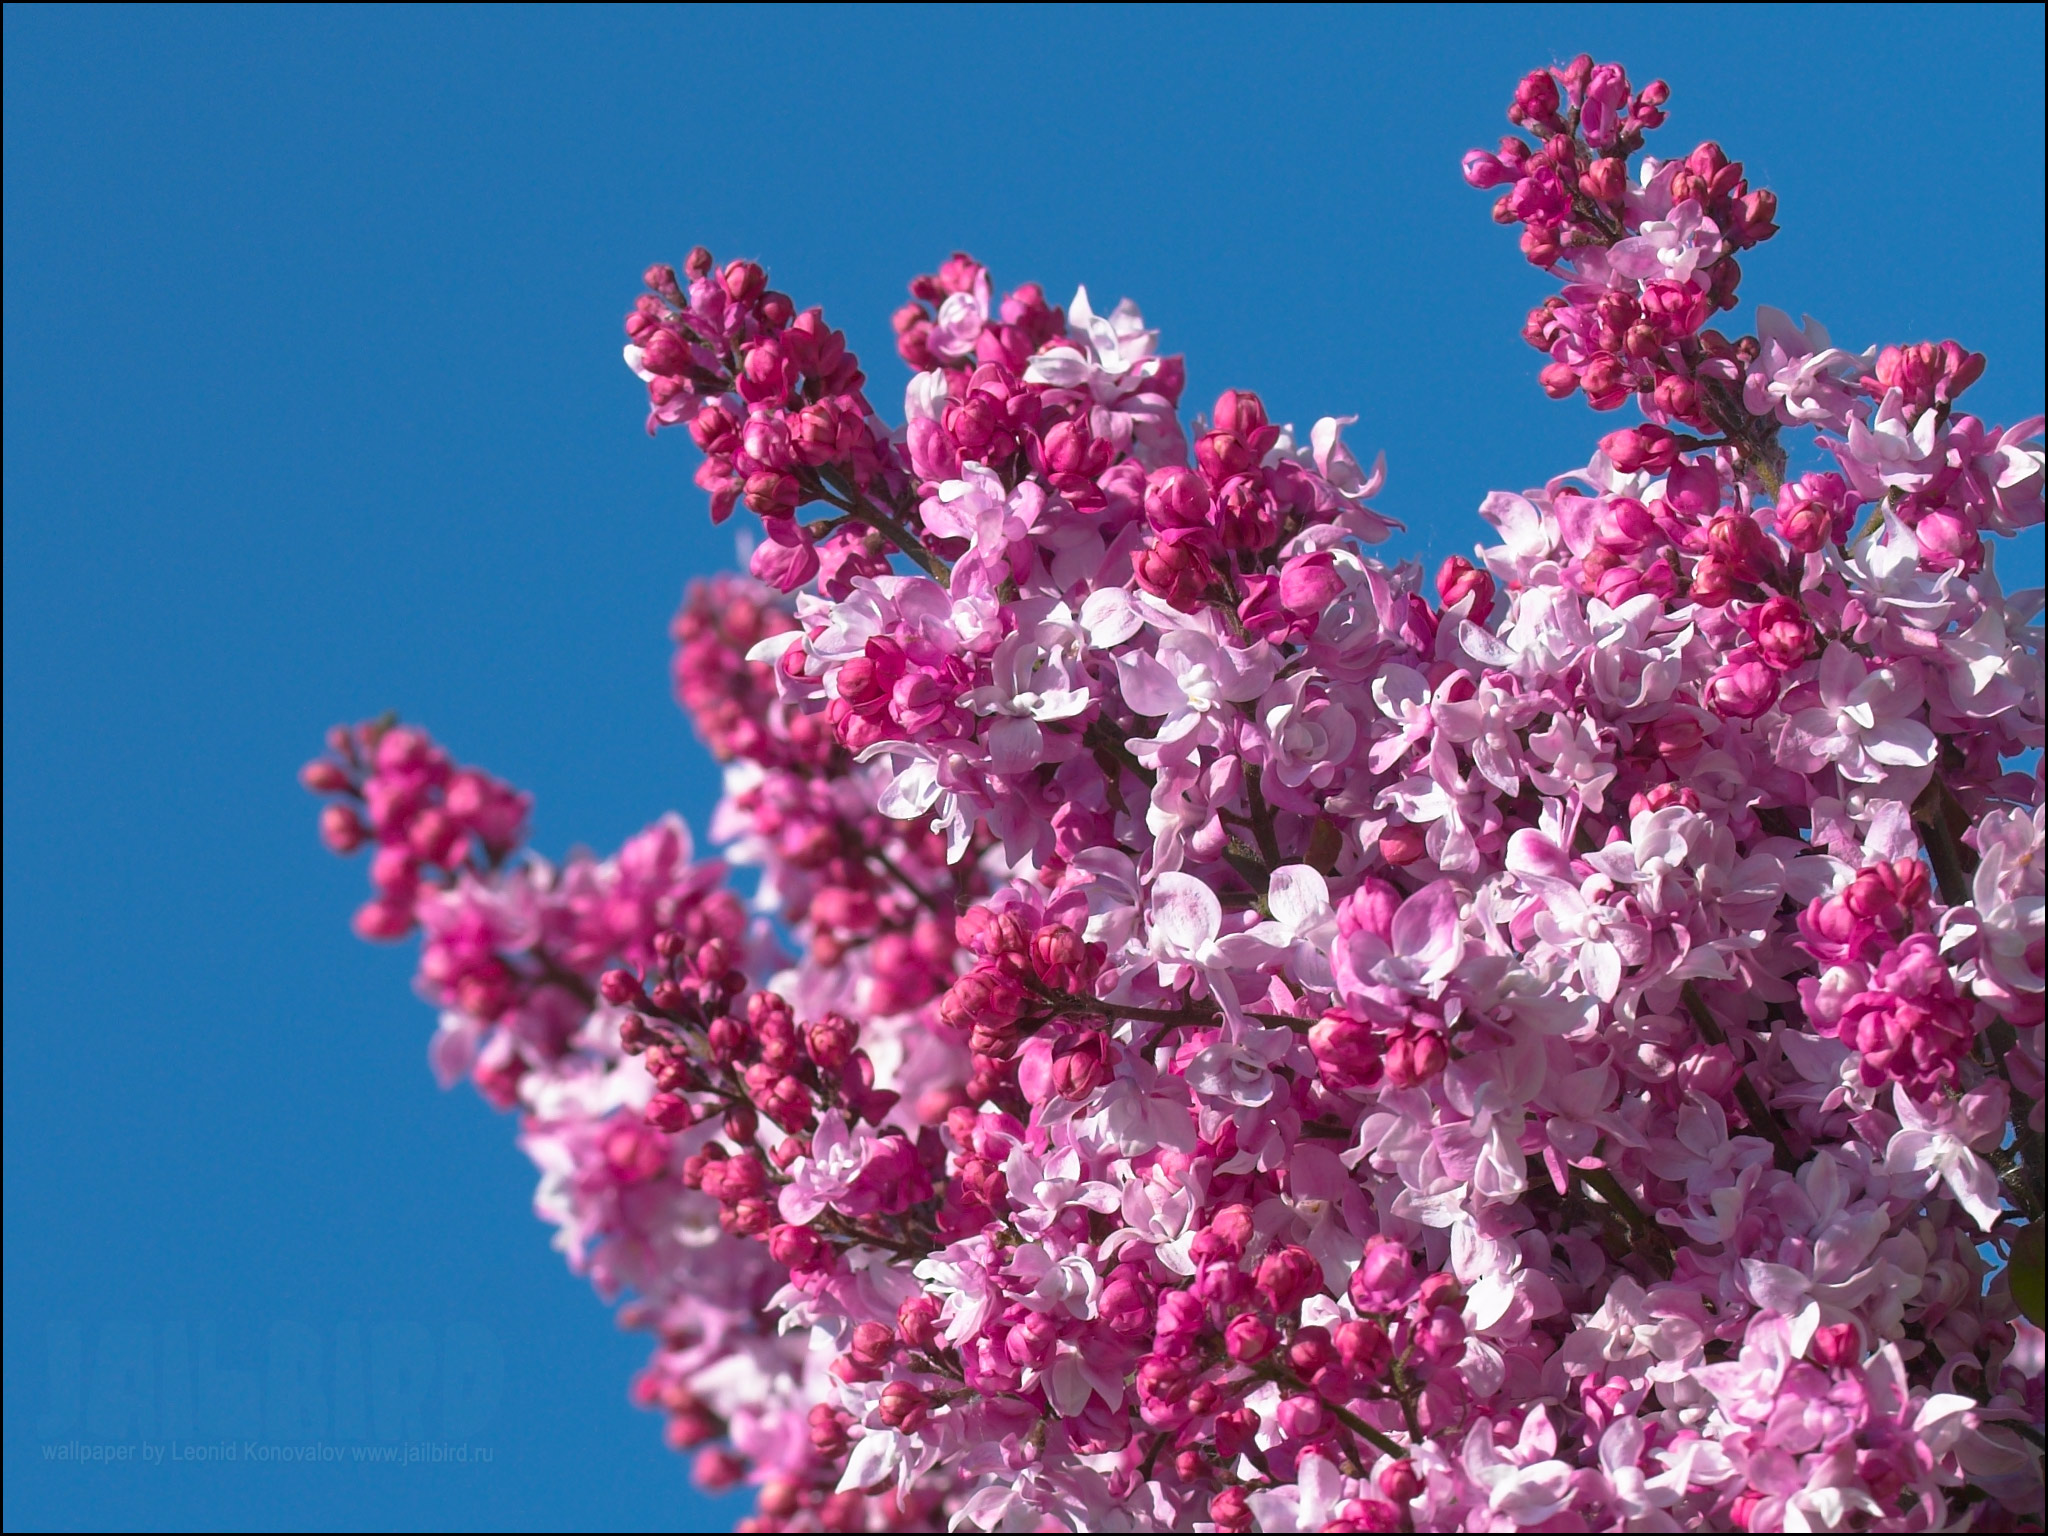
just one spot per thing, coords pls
(1442, 1334)
(903, 1407)
(766, 440)
(828, 1433)
(1536, 100)
(1382, 1282)
(1948, 543)
(771, 493)
(1301, 1416)
(1031, 1342)
(1743, 688)
(1231, 1509)
(1401, 1483)
(1310, 1350)
(1836, 1344)
(620, 988)
(1245, 517)
(1606, 181)
(1606, 381)
(1457, 579)
(1223, 455)
(666, 353)
(1310, 583)
(1413, 1056)
(717, 1469)
(743, 281)
(1783, 636)
(830, 1041)
(1347, 1055)
(1647, 447)
(1265, 617)
(1176, 570)
(1713, 583)
(1678, 398)
(784, 564)
(1485, 171)
(1559, 380)
(873, 1343)
(1163, 1381)
(1180, 1320)
(325, 778)
(1403, 844)
(1233, 1225)
(341, 829)
(1693, 491)
(1364, 1348)
(1737, 541)
(1082, 1066)
(1249, 1338)
(1176, 498)
(383, 920)
(1241, 412)
(1235, 1429)
(1286, 1276)
(798, 1249)
(917, 1320)
(670, 1112)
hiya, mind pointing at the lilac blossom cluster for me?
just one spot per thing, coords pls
(1229, 1034)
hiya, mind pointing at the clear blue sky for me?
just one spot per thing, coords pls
(313, 407)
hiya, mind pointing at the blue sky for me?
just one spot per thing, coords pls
(313, 407)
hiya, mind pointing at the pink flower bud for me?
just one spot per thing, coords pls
(1713, 583)
(1679, 399)
(1249, 1338)
(873, 1343)
(1231, 1510)
(1485, 171)
(1310, 583)
(1310, 1350)
(325, 778)
(718, 1469)
(341, 829)
(1286, 1276)
(1401, 1483)
(620, 989)
(917, 1320)
(783, 564)
(1176, 498)
(1744, 687)
(1301, 1416)
(1947, 543)
(670, 1112)
(1737, 541)
(830, 1041)
(1606, 381)
(1413, 1056)
(1457, 579)
(1403, 844)
(1176, 570)
(903, 1407)
(1647, 447)
(1783, 636)
(1082, 1065)
(1364, 1348)
(1347, 1055)
(1382, 1282)
(1607, 181)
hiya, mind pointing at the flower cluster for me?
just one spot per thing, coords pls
(1230, 1034)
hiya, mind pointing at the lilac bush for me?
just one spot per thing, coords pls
(1229, 1034)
